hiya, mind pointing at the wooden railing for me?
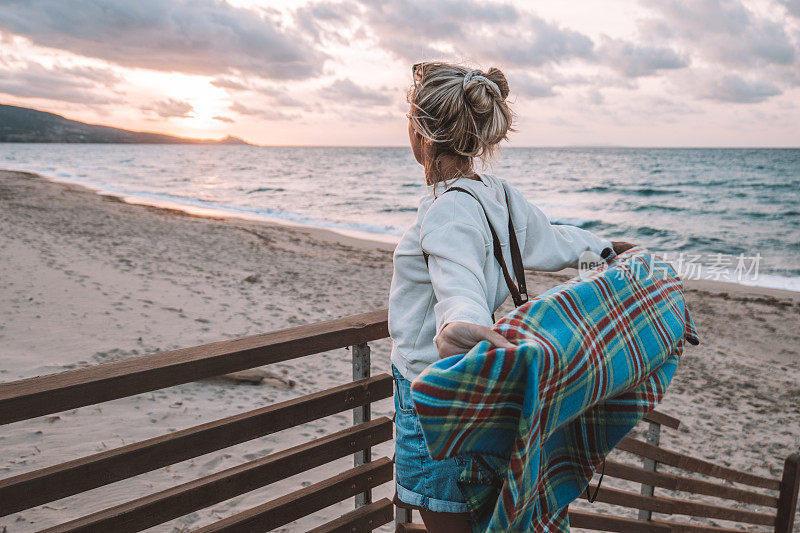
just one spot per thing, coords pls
(39, 396)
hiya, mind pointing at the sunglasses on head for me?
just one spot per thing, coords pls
(417, 71)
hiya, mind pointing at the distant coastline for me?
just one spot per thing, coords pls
(25, 125)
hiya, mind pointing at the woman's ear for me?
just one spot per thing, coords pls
(417, 144)
(419, 139)
(428, 149)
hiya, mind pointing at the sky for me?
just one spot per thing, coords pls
(583, 72)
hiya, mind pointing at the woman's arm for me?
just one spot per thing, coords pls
(621, 246)
(552, 247)
(455, 264)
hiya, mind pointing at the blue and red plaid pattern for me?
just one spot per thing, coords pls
(592, 357)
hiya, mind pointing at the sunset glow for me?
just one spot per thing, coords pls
(725, 73)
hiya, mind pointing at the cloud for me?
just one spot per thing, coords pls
(228, 120)
(236, 107)
(82, 85)
(733, 88)
(171, 108)
(280, 97)
(531, 86)
(276, 96)
(634, 60)
(327, 21)
(535, 42)
(501, 33)
(595, 97)
(743, 55)
(792, 6)
(414, 30)
(268, 114)
(191, 36)
(345, 91)
(545, 82)
(724, 32)
(228, 83)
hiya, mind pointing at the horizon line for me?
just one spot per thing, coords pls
(677, 147)
(554, 146)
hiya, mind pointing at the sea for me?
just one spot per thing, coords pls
(722, 214)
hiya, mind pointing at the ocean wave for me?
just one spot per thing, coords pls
(267, 189)
(701, 183)
(658, 207)
(579, 222)
(267, 214)
(791, 186)
(272, 214)
(773, 281)
(641, 191)
(647, 231)
(398, 210)
(780, 215)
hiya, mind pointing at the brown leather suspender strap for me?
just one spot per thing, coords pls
(516, 257)
(518, 290)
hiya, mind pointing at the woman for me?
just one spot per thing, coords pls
(442, 304)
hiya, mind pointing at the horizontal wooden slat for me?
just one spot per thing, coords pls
(666, 505)
(410, 528)
(684, 484)
(599, 522)
(679, 527)
(362, 520)
(579, 519)
(40, 486)
(182, 499)
(305, 501)
(32, 397)
(663, 419)
(691, 464)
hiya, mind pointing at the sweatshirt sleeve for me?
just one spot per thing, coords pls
(457, 258)
(551, 247)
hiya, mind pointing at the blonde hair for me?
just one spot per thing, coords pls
(459, 110)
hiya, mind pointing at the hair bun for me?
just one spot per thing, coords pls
(478, 76)
(461, 111)
(496, 76)
(480, 92)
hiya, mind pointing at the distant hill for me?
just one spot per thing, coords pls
(20, 124)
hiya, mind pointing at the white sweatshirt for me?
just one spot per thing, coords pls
(463, 281)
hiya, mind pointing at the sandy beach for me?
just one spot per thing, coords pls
(88, 279)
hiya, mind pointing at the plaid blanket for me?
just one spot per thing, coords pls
(592, 357)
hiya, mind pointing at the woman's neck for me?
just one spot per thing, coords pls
(450, 167)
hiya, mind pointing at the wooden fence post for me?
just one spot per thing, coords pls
(361, 370)
(653, 437)
(402, 516)
(787, 499)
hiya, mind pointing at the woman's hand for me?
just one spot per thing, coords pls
(459, 337)
(621, 246)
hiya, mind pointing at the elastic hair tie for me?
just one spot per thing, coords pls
(478, 75)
